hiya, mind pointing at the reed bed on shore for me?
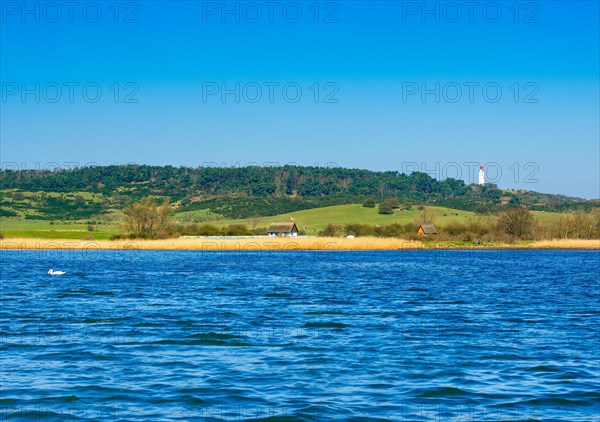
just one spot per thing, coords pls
(566, 244)
(222, 244)
(289, 244)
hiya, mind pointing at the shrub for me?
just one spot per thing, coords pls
(260, 231)
(190, 230)
(237, 230)
(467, 237)
(385, 208)
(369, 203)
(359, 229)
(478, 228)
(393, 202)
(413, 236)
(518, 222)
(331, 230)
(209, 230)
(454, 229)
(482, 209)
(204, 230)
(391, 230)
(577, 226)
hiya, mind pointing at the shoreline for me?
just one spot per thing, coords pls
(285, 244)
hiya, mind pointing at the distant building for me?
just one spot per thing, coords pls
(426, 229)
(481, 176)
(283, 229)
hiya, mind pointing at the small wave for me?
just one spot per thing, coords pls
(543, 368)
(555, 401)
(200, 342)
(441, 392)
(149, 324)
(326, 325)
(78, 291)
(195, 401)
(34, 415)
(324, 313)
(71, 357)
(380, 386)
(212, 336)
(99, 321)
(506, 356)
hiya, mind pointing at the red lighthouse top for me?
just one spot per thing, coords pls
(480, 167)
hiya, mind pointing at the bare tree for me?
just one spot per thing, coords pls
(146, 219)
(517, 222)
(426, 216)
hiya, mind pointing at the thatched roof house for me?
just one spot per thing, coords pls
(426, 229)
(282, 229)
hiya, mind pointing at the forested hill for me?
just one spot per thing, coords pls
(246, 191)
(180, 182)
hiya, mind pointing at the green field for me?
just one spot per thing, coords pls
(546, 217)
(310, 221)
(316, 219)
(43, 229)
(197, 216)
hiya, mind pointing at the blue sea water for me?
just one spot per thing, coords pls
(286, 336)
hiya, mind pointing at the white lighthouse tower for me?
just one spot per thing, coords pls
(481, 176)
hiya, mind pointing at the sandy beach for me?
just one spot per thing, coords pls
(283, 244)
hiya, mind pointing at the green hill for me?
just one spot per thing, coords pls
(89, 202)
(247, 191)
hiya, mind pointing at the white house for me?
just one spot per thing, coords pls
(283, 229)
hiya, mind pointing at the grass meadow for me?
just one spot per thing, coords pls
(311, 221)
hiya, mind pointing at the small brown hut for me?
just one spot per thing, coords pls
(426, 230)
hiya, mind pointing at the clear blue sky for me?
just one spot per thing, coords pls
(373, 59)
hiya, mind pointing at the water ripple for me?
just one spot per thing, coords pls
(300, 336)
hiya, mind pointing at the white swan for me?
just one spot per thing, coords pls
(52, 272)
